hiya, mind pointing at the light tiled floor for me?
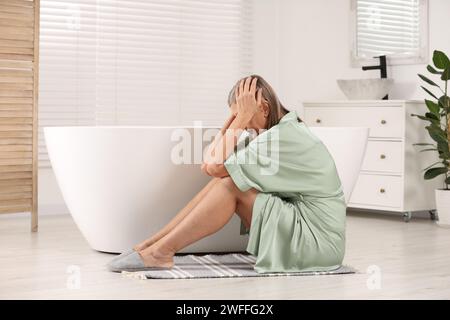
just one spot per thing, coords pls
(397, 260)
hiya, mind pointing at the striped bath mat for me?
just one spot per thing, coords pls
(192, 266)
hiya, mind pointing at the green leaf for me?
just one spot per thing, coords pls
(444, 101)
(427, 117)
(444, 156)
(431, 116)
(429, 92)
(432, 106)
(446, 74)
(427, 80)
(437, 134)
(447, 180)
(438, 129)
(434, 136)
(440, 60)
(433, 70)
(443, 152)
(443, 146)
(434, 172)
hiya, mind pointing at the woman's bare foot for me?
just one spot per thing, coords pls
(157, 257)
(144, 245)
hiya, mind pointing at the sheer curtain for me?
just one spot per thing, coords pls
(140, 62)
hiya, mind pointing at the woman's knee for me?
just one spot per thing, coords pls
(229, 184)
(243, 196)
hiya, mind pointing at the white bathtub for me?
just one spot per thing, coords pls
(121, 186)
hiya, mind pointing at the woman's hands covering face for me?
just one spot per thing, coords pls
(247, 104)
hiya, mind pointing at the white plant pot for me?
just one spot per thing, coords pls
(443, 207)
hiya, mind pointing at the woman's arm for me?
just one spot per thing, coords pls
(210, 152)
(247, 107)
(224, 147)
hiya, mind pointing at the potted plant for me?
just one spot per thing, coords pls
(438, 116)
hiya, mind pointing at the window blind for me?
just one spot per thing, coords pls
(388, 27)
(140, 62)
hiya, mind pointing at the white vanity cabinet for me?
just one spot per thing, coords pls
(391, 176)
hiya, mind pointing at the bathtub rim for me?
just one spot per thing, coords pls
(187, 127)
(130, 127)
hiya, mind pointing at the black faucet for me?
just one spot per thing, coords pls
(382, 67)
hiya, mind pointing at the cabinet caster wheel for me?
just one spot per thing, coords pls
(433, 215)
(407, 216)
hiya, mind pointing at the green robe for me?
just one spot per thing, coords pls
(298, 218)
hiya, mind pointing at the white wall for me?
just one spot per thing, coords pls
(311, 46)
(301, 48)
(439, 39)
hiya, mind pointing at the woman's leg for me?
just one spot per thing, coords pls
(180, 216)
(207, 217)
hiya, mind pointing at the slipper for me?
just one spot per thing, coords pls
(131, 262)
(123, 254)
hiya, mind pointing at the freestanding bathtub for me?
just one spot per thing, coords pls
(121, 183)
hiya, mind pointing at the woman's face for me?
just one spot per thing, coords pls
(259, 120)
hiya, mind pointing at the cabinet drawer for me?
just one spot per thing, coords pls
(386, 122)
(378, 190)
(384, 156)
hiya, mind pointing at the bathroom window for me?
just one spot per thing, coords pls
(140, 62)
(395, 28)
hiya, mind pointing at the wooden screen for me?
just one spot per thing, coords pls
(19, 52)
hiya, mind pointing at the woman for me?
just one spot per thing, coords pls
(283, 185)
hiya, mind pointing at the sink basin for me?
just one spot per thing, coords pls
(365, 89)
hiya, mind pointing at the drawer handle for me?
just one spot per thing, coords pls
(382, 156)
(318, 120)
(383, 121)
(382, 190)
